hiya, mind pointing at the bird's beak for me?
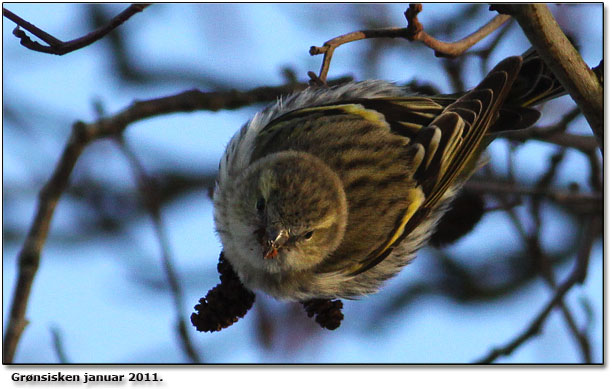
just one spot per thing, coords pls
(274, 240)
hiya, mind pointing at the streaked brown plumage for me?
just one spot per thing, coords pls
(333, 191)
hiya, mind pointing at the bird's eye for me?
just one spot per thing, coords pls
(308, 235)
(261, 204)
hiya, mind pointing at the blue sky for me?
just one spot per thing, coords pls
(87, 290)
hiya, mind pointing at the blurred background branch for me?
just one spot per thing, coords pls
(59, 47)
(541, 194)
(151, 199)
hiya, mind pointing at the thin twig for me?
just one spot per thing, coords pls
(535, 248)
(414, 31)
(580, 336)
(454, 71)
(194, 100)
(452, 49)
(503, 197)
(577, 276)
(556, 134)
(58, 47)
(584, 143)
(532, 241)
(582, 84)
(150, 194)
(485, 53)
(505, 206)
(592, 202)
(58, 345)
(595, 177)
(544, 183)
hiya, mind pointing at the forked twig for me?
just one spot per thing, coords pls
(150, 196)
(59, 47)
(449, 49)
(576, 277)
(414, 31)
(544, 262)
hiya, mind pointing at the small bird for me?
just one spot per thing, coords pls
(331, 191)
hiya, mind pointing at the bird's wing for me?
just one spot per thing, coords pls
(442, 144)
(445, 132)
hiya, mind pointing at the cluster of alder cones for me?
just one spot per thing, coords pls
(230, 300)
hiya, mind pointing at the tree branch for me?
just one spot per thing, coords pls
(29, 256)
(58, 345)
(58, 47)
(446, 49)
(150, 195)
(576, 277)
(536, 251)
(583, 202)
(414, 31)
(564, 61)
(556, 134)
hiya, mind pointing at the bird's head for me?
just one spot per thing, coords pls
(287, 212)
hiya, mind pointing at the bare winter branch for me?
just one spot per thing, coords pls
(446, 49)
(579, 201)
(29, 256)
(58, 47)
(556, 134)
(576, 277)
(562, 58)
(414, 31)
(150, 194)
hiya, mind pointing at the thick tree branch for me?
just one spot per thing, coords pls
(564, 61)
(29, 256)
(58, 47)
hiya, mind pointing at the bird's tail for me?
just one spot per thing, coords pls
(534, 84)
